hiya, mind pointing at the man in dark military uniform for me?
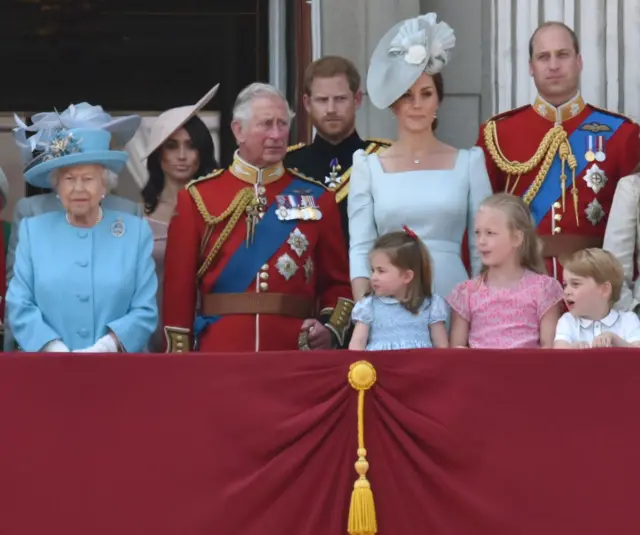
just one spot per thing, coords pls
(332, 96)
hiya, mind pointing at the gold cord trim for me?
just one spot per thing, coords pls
(234, 212)
(554, 142)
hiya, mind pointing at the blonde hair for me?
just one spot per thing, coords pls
(406, 251)
(519, 219)
(599, 265)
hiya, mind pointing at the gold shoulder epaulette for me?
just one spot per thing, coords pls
(380, 141)
(614, 113)
(213, 174)
(298, 174)
(508, 113)
(297, 146)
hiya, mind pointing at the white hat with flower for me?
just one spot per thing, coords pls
(410, 48)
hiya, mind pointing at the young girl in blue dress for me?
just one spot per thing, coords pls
(400, 311)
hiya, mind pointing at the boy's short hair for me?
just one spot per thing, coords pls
(601, 266)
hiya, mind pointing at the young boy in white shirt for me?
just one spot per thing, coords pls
(593, 280)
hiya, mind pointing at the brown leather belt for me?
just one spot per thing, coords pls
(276, 304)
(564, 245)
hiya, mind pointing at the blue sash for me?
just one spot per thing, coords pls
(551, 189)
(245, 263)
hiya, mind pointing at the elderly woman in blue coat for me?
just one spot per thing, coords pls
(84, 279)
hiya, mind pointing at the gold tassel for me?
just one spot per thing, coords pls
(563, 151)
(362, 511)
(573, 164)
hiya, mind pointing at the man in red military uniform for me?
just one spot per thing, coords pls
(563, 156)
(263, 245)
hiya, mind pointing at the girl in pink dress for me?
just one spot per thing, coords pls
(512, 303)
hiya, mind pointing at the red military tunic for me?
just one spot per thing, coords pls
(518, 135)
(310, 262)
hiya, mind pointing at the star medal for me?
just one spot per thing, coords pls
(333, 180)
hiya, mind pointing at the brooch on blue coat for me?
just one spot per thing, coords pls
(118, 228)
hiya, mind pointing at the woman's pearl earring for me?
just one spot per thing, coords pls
(435, 114)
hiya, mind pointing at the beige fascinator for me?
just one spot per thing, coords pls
(171, 120)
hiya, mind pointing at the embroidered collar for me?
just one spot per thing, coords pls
(608, 320)
(253, 175)
(559, 114)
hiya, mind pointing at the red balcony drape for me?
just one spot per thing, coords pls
(460, 442)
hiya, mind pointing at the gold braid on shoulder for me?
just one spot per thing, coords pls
(554, 142)
(234, 212)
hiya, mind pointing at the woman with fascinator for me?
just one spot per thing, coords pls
(180, 149)
(83, 277)
(419, 181)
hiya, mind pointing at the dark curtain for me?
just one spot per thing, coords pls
(459, 442)
(298, 57)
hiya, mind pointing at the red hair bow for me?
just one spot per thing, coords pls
(409, 232)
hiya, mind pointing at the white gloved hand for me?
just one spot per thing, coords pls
(56, 346)
(106, 344)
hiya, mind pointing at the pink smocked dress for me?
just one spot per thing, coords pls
(159, 229)
(505, 318)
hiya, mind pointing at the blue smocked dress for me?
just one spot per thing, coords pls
(392, 326)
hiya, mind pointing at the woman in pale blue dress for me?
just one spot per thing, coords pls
(419, 181)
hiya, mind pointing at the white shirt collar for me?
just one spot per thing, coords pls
(608, 320)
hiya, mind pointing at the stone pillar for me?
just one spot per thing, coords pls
(352, 29)
(607, 30)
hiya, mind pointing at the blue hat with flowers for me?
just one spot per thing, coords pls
(410, 48)
(63, 147)
(54, 135)
(85, 115)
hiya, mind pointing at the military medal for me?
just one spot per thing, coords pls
(298, 242)
(333, 180)
(590, 155)
(600, 154)
(295, 211)
(286, 266)
(308, 269)
(282, 211)
(594, 212)
(595, 178)
(311, 210)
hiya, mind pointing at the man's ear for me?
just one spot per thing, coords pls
(236, 128)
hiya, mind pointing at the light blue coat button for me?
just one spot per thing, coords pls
(83, 333)
(83, 298)
(82, 263)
